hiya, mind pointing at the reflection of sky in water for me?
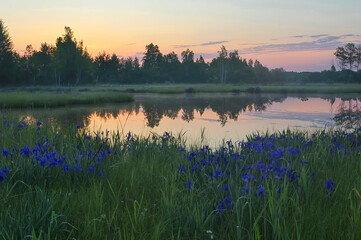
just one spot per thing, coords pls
(320, 118)
(214, 131)
(219, 116)
(291, 113)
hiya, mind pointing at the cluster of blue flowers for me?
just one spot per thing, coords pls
(253, 167)
(3, 174)
(330, 186)
(89, 155)
(338, 145)
(256, 168)
(18, 125)
(7, 89)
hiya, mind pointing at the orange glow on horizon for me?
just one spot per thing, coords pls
(104, 39)
(126, 27)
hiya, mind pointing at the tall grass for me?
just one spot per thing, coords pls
(70, 183)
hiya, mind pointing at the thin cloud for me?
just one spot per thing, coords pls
(250, 44)
(323, 43)
(212, 43)
(311, 36)
(184, 46)
(201, 44)
(348, 35)
(328, 39)
(351, 35)
(319, 35)
(299, 36)
(130, 44)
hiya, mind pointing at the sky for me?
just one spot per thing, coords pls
(298, 35)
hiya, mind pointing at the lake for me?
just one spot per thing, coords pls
(209, 118)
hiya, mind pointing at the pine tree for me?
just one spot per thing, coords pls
(7, 63)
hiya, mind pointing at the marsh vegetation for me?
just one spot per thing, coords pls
(65, 183)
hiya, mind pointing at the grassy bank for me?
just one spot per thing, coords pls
(41, 99)
(65, 183)
(213, 88)
(198, 88)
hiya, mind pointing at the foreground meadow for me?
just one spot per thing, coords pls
(72, 184)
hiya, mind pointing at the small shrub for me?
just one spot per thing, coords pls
(250, 90)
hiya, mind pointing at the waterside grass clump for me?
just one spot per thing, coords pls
(70, 183)
(59, 98)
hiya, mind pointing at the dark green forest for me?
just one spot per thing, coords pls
(68, 63)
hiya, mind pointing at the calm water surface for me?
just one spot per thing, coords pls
(216, 117)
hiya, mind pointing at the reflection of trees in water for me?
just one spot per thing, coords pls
(231, 108)
(153, 115)
(188, 114)
(227, 107)
(63, 117)
(348, 113)
(154, 112)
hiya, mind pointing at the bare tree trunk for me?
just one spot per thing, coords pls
(222, 72)
(56, 80)
(78, 76)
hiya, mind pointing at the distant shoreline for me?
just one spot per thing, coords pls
(192, 88)
(40, 97)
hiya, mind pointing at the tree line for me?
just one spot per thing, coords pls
(68, 63)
